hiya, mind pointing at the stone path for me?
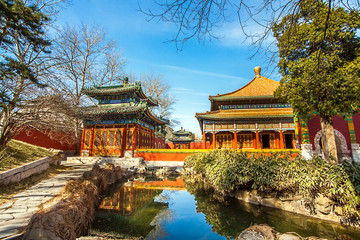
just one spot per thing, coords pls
(15, 215)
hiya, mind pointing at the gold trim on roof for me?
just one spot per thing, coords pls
(247, 113)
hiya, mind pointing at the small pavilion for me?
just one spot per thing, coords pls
(249, 118)
(121, 121)
(182, 139)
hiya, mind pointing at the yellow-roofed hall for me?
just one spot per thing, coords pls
(249, 118)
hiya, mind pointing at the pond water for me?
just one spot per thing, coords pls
(171, 209)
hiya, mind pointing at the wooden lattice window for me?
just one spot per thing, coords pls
(97, 140)
(245, 141)
(129, 139)
(87, 138)
(104, 139)
(223, 141)
(118, 138)
(111, 138)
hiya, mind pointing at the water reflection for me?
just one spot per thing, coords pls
(229, 216)
(163, 209)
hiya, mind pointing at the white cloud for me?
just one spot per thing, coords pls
(188, 70)
(187, 91)
(232, 35)
(194, 71)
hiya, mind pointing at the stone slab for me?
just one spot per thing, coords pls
(6, 217)
(178, 164)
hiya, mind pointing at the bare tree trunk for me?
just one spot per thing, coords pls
(77, 136)
(328, 138)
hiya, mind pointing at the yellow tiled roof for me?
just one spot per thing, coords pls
(258, 87)
(247, 113)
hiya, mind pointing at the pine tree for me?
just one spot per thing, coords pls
(22, 42)
(19, 22)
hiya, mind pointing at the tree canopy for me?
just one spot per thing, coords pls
(319, 60)
(19, 22)
(320, 64)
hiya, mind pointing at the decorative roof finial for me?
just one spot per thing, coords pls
(125, 81)
(257, 71)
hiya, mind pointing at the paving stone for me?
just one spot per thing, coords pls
(4, 233)
(31, 204)
(6, 205)
(17, 209)
(32, 209)
(6, 217)
(16, 214)
(23, 215)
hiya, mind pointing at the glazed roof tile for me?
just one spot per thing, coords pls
(111, 109)
(181, 139)
(96, 91)
(259, 87)
(181, 132)
(114, 108)
(246, 113)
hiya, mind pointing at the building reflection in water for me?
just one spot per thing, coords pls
(133, 196)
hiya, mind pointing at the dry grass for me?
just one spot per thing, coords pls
(18, 153)
(7, 192)
(74, 211)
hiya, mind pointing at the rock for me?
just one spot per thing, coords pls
(165, 171)
(323, 204)
(257, 232)
(338, 211)
(142, 169)
(288, 236)
(242, 195)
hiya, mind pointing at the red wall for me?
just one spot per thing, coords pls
(38, 138)
(193, 145)
(180, 156)
(339, 124)
(160, 156)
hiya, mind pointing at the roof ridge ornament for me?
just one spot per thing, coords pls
(125, 81)
(257, 71)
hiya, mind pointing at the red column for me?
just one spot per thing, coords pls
(204, 141)
(123, 140)
(281, 140)
(214, 141)
(91, 143)
(235, 141)
(82, 141)
(257, 140)
(134, 137)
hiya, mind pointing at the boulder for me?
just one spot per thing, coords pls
(323, 204)
(257, 232)
(288, 236)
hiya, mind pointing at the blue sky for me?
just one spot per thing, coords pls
(199, 70)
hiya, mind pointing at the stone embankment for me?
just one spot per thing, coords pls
(24, 171)
(70, 214)
(322, 207)
(264, 232)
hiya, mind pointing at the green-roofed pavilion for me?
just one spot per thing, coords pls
(182, 139)
(122, 121)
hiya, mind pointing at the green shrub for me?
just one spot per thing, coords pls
(227, 170)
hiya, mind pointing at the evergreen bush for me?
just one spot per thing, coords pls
(227, 170)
